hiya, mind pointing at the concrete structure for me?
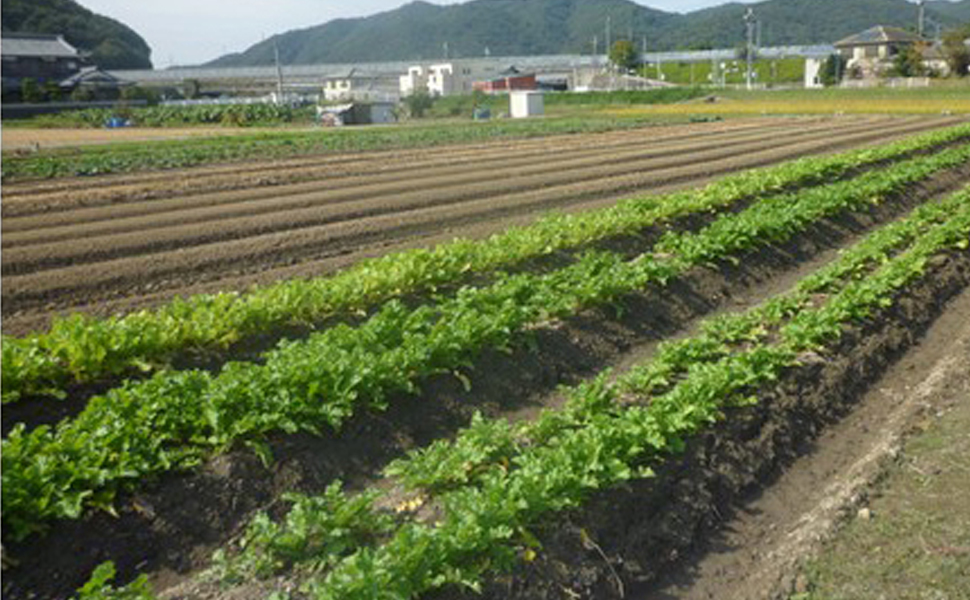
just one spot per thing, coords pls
(524, 104)
(416, 80)
(813, 73)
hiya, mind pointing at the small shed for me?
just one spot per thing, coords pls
(357, 113)
(524, 104)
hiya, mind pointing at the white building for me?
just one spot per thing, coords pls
(813, 73)
(450, 78)
(416, 80)
(357, 85)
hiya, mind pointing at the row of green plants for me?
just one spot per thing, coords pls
(177, 116)
(496, 480)
(175, 419)
(172, 154)
(82, 348)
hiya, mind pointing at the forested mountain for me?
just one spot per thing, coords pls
(420, 30)
(112, 44)
(956, 10)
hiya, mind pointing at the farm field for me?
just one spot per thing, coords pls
(550, 407)
(131, 241)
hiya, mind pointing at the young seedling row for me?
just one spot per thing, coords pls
(466, 504)
(176, 419)
(83, 348)
(495, 480)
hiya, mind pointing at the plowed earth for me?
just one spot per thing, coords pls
(168, 527)
(111, 244)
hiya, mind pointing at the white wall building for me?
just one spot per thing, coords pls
(450, 78)
(416, 80)
(356, 85)
(524, 104)
(813, 73)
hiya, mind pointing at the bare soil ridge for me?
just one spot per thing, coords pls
(101, 267)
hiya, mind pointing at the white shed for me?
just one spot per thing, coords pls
(523, 104)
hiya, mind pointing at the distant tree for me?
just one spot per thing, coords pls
(909, 63)
(82, 94)
(623, 54)
(134, 92)
(52, 91)
(417, 104)
(30, 91)
(956, 51)
(191, 88)
(833, 70)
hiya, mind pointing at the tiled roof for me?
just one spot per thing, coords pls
(36, 44)
(879, 34)
(91, 74)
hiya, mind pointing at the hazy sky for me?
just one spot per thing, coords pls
(195, 31)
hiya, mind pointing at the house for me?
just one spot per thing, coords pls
(358, 85)
(509, 80)
(870, 54)
(45, 58)
(95, 80)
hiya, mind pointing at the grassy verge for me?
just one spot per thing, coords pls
(917, 542)
(944, 99)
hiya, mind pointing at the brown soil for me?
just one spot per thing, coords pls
(170, 527)
(139, 252)
(33, 139)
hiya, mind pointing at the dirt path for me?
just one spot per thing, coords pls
(142, 251)
(756, 554)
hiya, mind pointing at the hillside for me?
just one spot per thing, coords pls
(956, 10)
(421, 30)
(112, 44)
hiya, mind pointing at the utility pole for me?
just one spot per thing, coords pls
(749, 20)
(279, 73)
(922, 16)
(609, 34)
(596, 47)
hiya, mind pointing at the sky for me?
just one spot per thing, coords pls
(186, 32)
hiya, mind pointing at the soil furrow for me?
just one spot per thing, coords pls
(151, 274)
(48, 195)
(172, 527)
(130, 216)
(195, 228)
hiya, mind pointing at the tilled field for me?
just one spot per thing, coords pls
(109, 244)
(575, 416)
